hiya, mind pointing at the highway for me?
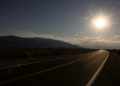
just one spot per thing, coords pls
(68, 71)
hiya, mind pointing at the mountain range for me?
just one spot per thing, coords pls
(34, 42)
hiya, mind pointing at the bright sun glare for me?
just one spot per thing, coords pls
(100, 22)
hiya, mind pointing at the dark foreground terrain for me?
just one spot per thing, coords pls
(110, 75)
(10, 55)
(74, 70)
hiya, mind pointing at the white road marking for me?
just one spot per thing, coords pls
(97, 72)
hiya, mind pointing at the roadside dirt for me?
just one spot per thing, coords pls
(110, 75)
(13, 55)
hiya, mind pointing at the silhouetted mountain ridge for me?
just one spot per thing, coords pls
(34, 42)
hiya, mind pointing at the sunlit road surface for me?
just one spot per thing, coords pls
(70, 71)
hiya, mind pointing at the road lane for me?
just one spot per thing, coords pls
(78, 71)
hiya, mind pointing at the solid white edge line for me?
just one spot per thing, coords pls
(97, 72)
(43, 61)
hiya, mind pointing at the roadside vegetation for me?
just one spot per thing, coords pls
(14, 53)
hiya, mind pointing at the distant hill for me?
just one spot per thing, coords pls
(34, 42)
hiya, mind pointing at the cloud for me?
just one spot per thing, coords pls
(81, 41)
(100, 41)
(117, 37)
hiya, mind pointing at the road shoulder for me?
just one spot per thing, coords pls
(110, 75)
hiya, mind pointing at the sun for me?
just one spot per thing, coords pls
(100, 22)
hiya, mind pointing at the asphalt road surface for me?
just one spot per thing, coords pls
(67, 71)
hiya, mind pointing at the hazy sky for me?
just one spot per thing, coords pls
(66, 20)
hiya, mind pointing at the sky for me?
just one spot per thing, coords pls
(65, 20)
